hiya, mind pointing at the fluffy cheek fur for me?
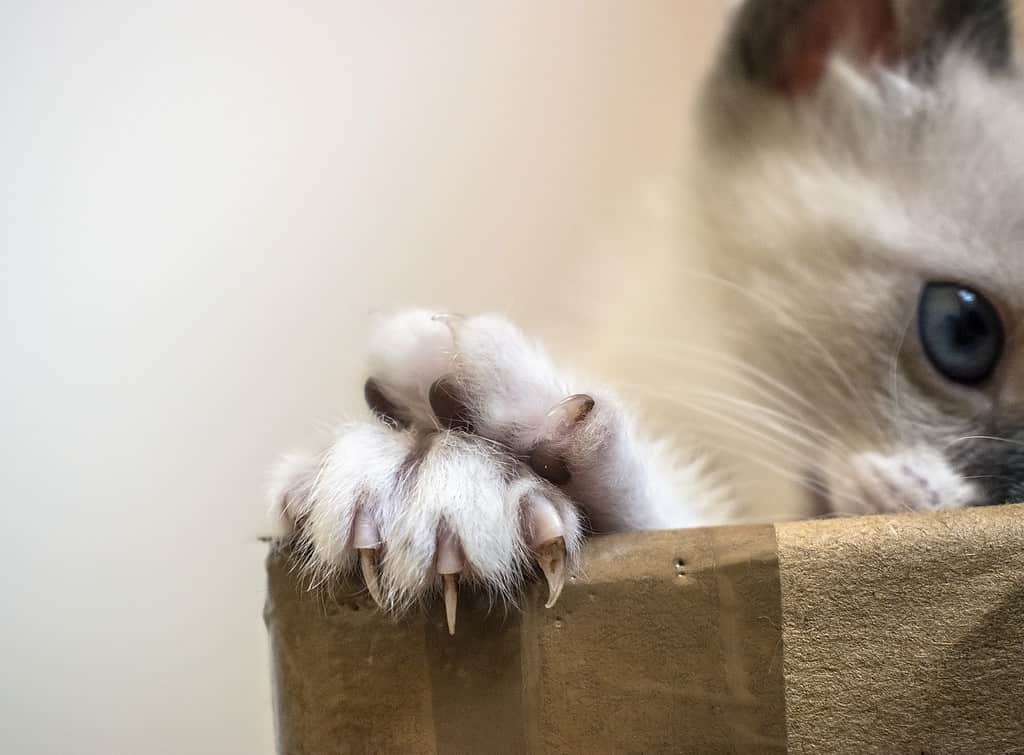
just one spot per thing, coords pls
(828, 207)
(912, 478)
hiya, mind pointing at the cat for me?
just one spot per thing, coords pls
(855, 182)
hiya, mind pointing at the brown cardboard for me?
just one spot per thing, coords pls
(889, 634)
(905, 634)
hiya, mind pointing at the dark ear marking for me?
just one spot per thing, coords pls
(785, 44)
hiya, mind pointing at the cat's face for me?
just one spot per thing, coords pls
(863, 184)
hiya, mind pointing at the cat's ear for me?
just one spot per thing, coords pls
(786, 44)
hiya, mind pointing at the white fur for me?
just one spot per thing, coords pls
(910, 479)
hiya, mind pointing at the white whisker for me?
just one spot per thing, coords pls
(997, 439)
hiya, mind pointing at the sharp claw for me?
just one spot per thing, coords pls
(368, 564)
(548, 541)
(366, 540)
(449, 563)
(551, 557)
(546, 458)
(451, 599)
(570, 411)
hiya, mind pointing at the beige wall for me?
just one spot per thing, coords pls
(202, 202)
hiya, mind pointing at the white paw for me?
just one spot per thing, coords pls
(476, 468)
(416, 510)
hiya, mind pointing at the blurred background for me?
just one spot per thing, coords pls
(203, 205)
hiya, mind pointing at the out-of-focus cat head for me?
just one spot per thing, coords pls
(861, 177)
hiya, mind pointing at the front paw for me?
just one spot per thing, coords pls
(421, 512)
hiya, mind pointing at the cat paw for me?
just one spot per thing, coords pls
(482, 461)
(420, 513)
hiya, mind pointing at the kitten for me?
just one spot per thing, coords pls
(856, 182)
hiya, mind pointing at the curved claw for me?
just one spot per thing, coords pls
(450, 563)
(551, 557)
(450, 320)
(560, 423)
(366, 539)
(447, 317)
(368, 565)
(451, 599)
(569, 412)
(548, 541)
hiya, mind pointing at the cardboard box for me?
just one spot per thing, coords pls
(876, 634)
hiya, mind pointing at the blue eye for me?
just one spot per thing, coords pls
(961, 332)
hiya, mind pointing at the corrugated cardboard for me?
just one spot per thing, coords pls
(877, 634)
